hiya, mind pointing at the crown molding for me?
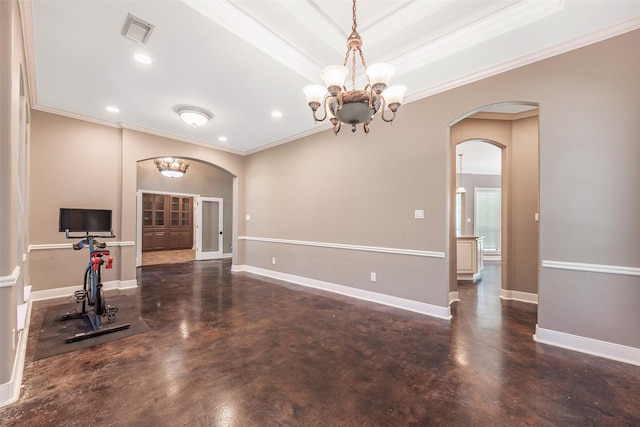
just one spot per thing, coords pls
(180, 138)
(234, 20)
(490, 27)
(607, 33)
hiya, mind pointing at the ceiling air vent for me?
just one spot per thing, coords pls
(137, 29)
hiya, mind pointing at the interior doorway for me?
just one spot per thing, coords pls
(202, 182)
(511, 128)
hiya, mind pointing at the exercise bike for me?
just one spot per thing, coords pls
(92, 296)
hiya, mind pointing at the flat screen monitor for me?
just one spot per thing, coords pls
(81, 220)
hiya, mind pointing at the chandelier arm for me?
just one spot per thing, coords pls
(384, 105)
(365, 126)
(369, 88)
(336, 127)
(324, 109)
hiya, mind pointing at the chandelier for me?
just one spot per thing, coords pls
(170, 167)
(354, 106)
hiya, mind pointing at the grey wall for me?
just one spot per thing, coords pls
(201, 179)
(361, 189)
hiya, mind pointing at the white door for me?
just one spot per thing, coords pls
(208, 228)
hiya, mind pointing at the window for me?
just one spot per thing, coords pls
(487, 217)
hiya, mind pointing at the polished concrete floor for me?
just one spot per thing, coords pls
(238, 350)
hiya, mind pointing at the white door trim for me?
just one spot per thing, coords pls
(200, 254)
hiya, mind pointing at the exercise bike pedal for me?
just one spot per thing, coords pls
(110, 313)
(78, 296)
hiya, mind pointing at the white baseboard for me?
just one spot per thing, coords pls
(10, 391)
(402, 303)
(608, 350)
(69, 290)
(519, 296)
(454, 296)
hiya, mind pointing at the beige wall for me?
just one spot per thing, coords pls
(73, 164)
(524, 204)
(79, 164)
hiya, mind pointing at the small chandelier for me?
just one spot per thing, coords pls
(354, 106)
(170, 167)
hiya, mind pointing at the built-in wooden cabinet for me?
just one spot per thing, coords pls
(180, 223)
(167, 222)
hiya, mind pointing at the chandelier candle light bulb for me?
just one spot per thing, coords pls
(354, 106)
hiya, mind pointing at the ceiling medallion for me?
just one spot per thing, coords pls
(354, 106)
(171, 168)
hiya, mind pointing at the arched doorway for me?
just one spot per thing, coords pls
(513, 127)
(179, 200)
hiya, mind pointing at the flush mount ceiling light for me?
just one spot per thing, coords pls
(194, 116)
(354, 106)
(170, 167)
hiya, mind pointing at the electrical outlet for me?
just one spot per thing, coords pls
(374, 276)
(247, 217)
(273, 260)
(418, 214)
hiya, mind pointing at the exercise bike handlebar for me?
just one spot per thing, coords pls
(67, 234)
(89, 239)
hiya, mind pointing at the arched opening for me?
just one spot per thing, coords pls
(513, 129)
(175, 213)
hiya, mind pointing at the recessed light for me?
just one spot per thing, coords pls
(113, 109)
(222, 138)
(276, 114)
(142, 58)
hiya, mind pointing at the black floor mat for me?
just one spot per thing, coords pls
(53, 333)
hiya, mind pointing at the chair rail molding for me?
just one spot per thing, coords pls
(414, 252)
(592, 268)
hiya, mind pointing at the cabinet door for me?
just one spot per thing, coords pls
(147, 210)
(175, 211)
(158, 210)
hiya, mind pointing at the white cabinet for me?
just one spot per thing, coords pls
(470, 260)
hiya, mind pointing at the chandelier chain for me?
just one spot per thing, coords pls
(364, 63)
(355, 23)
(353, 71)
